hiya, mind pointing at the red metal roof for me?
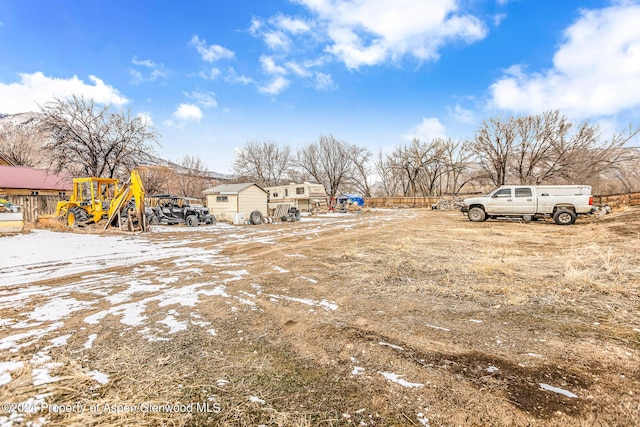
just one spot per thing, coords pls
(34, 179)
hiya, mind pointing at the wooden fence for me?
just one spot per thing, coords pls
(32, 206)
(392, 202)
(618, 200)
(613, 200)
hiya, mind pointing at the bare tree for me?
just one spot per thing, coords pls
(546, 148)
(191, 178)
(92, 141)
(156, 179)
(264, 162)
(360, 172)
(20, 143)
(493, 147)
(456, 156)
(328, 162)
(391, 181)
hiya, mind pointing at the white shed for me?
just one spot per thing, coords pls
(226, 200)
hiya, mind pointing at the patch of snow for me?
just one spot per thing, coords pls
(5, 371)
(437, 327)
(57, 309)
(422, 419)
(11, 342)
(492, 369)
(212, 332)
(222, 382)
(99, 376)
(58, 341)
(533, 355)
(90, 341)
(280, 269)
(256, 399)
(329, 306)
(398, 380)
(397, 347)
(173, 324)
(42, 375)
(357, 370)
(557, 390)
(308, 279)
(475, 320)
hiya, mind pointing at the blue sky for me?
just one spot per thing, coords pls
(212, 75)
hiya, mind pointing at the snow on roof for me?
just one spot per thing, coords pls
(231, 188)
(34, 179)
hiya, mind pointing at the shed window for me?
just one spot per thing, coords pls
(222, 199)
(286, 192)
(34, 193)
(299, 190)
(275, 194)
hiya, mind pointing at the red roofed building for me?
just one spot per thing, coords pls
(23, 181)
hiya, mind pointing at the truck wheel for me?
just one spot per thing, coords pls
(564, 217)
(255, 217)
(192, 221)
(477, 214)
(527, 218)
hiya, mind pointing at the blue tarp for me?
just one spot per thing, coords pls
(359, 200)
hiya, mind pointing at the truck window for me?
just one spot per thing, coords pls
(505, 192)
(523, 192)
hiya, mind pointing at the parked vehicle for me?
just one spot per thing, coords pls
(94, 200)
(563, 203)
(172, 210)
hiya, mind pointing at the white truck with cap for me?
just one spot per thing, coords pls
(563, 203)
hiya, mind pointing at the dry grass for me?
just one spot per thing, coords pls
(456, 297)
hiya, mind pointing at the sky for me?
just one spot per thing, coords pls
(211, 75)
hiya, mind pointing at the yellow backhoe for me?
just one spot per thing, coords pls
(96, 199)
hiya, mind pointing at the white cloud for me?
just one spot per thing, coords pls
(276, 40)
(146, 118)
(269, 66)
(234, 77)
(291, 25)
(461, 115)
(188, 113)
(212, 52)
(427, 130)
(596, 71)
(324, 81)
(153, 71)
(369, 32)
(498, 18)
(277, 85)
(37, 89)
(298, 69)
(204, 98)
(213, 74)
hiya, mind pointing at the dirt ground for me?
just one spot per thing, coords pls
(387, 317)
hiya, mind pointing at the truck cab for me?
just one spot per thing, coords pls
(563, 203)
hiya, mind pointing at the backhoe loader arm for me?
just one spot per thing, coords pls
(132, 189)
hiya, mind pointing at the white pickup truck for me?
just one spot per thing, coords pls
(563, 203)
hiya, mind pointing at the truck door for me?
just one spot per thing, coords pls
(524, 203)
(500, 202)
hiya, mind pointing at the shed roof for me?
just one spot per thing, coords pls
(231, 188)
(34, 179)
